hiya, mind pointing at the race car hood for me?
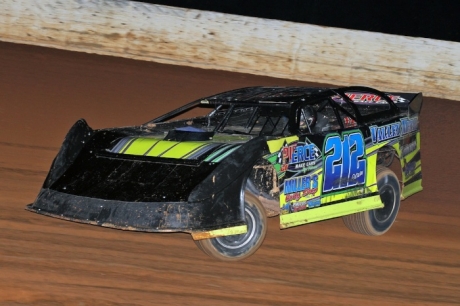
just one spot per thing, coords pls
(127, 164)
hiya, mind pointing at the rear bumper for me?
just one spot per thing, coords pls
(137, 216)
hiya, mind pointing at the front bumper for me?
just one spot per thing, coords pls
(137, 216)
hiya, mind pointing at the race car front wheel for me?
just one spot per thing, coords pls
(237, 247)
(378, 221)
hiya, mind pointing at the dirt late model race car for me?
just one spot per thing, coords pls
(305, 154)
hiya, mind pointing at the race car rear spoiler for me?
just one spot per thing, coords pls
(411, 101)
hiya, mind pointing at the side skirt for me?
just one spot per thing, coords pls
(330, 211)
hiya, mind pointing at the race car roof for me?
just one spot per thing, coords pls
(262, 94)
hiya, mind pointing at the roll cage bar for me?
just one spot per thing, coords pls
(286, 97)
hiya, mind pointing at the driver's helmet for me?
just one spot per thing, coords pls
(307, 117)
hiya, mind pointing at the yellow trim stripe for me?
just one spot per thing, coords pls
(140, 145)
(234, 230)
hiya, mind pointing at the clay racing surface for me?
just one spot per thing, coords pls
(46, 261)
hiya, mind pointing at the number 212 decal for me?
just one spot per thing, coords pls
(344, 162)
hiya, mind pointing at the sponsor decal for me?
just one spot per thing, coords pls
(298, 206)
(292, 207)
(344, 164)
(408, 145)
(295, 162)
(298, 156)
(386, 132)
(409, 169)
(301, 186)
(363, 97)
(393, 130)
(408, 148)
(314, 202)
(368, 98)
(409, 125)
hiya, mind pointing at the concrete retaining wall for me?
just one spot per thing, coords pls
(236, 43)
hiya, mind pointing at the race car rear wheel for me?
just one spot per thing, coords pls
(385, 156)
(377, 221)
(237, 247)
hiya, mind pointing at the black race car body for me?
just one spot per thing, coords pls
(307, 154)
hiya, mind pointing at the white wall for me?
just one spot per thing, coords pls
(236, 43)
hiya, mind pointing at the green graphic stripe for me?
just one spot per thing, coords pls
(218, 159)
(200, 147)
(154, 147)
(217, 153)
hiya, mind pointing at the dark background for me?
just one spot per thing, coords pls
(438, 19)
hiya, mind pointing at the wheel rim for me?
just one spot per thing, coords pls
(387, 195)
(239, 241)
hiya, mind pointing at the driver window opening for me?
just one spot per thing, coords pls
(254, 121)
(318, 118)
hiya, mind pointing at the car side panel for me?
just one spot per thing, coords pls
(317, 184)
(408, 150)
(406, 143)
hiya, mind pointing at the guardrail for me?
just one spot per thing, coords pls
(236, 43)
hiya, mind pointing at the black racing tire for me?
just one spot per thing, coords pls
(377, 221)
(237, 247)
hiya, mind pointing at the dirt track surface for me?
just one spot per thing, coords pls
(46, 261)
